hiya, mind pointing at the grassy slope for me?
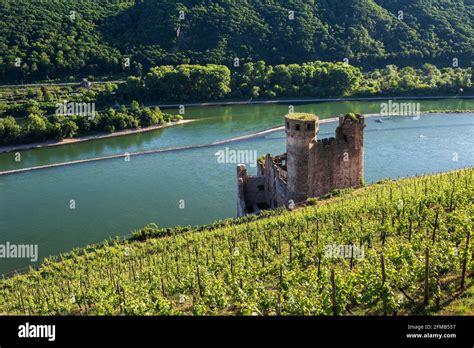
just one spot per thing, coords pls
(461, 304)
(278, 264)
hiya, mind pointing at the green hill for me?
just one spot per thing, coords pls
(46, 40)
(412, 254)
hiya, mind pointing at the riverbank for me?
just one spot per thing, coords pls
(97, 136)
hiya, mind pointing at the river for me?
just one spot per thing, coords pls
(189, 187)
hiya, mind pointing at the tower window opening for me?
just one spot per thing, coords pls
(308, 126)
(297, 127)
(261, 187)
(287, 125)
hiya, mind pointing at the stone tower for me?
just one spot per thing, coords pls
(301, 130)
(338, 162)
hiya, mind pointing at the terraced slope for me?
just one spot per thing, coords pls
(280, 263)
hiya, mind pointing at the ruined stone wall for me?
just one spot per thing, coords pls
(254, 191)
(252, 194)
(337, 162)
(276, 187)
(241, 179)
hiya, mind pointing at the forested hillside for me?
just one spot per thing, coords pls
(59, 39)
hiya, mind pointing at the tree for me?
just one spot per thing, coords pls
(148, 118)
(36, 127)
(34, 108)
(255, 92)
(135, 108)
(188, 82)
(68, 129)
(10, 131)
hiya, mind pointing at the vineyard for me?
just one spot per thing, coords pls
(16, 101)
(413, 239)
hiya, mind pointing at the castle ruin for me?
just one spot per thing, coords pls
(311, 167)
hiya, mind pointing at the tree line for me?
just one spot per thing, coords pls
(39, 127)
(313, 79)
